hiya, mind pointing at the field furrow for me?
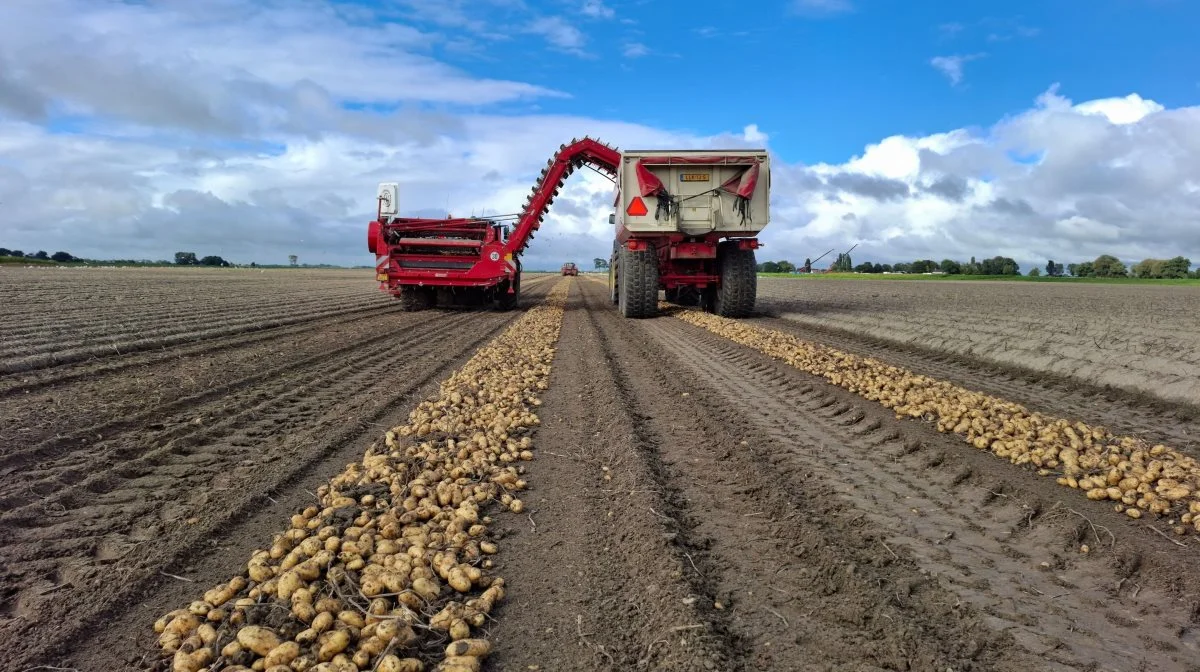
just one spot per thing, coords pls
(871, 476)
(149, 500)
(983, 533)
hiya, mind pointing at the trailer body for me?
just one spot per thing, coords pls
(686, 221)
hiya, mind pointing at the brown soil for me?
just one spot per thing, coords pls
(1140, 338)
(693, 504)
(832, 535)
(115, 474)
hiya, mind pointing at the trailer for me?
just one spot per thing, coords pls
(686, 223)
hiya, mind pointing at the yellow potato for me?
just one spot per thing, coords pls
(258, 639)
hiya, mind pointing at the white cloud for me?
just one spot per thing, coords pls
(952, 66)
(597, 9)
(559, 33)
(635, 50)
(245, 152)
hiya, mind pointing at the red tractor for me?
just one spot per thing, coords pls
(569, 268)
(686, 223)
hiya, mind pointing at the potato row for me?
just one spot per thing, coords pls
(389, 570)
(1136, 477)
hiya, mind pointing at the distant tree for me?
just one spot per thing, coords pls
(16, 253)
(1035, 272)
(999, 266)
(62, 257)
(212, 260)
(1176, 267)
(292, 259)
(787, 267)
(4, 252)
(843, 263)
(41, 254)
(902, 268)
(885, 268)
(951, 267)
(877, 268)
(186, 258)
(865, 267)
(1147, 268)
(768, 267)
(1084, 269)
(807, 265)
(600, 264)
(1108, 266)
(1053, 270)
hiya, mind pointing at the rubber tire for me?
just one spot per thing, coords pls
(735, 296)
(639, 283)
(508, 301)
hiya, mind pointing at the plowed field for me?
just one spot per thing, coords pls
(692, 502)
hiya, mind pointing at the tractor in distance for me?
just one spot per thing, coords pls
(569, 268)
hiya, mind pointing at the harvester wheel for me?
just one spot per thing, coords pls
(638, 280)
(414, 298)
(734, 297)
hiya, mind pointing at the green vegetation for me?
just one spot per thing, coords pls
(1103, 268)
(19, 257)
(1009, 278)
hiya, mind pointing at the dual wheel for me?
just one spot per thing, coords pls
(634, 283)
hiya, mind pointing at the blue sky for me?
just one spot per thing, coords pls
(254, 129)
(826, 78)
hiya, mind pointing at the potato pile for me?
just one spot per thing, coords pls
(1137, 477)
(388, 572)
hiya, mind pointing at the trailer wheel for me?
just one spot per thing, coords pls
(734, 297)
(413, 298)
(639, 283)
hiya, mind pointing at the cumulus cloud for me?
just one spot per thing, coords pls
(123, 133)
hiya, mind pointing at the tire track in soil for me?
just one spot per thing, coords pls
(12, 385)
(110, 404)
(60, 354)
(593, 581)
(180, 424)
(802, 581)
(1128, 413)
(1002, 540)
(171, 514)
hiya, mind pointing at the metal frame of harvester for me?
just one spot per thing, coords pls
(476, 260)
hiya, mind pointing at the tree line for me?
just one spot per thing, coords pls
(40, 255)
(1103, 266)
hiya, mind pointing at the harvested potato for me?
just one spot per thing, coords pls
(1145, 478)
(392, 556)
